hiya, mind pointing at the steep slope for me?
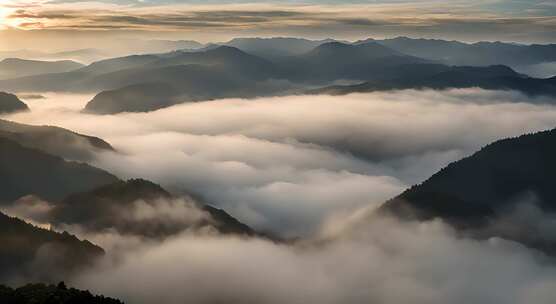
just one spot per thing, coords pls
(31, 252)
(480, 192)
(41, 293)
(15, 67)
(54, 140)
(143, 208)
(9, 103)
(25, 171)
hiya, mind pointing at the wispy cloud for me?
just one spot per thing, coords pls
(492, 20)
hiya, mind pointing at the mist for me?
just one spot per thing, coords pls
(314, 167)
(379, 261)
(287, 164)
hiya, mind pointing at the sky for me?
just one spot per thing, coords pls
(57, 21)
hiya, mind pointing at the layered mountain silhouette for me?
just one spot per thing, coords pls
(504, 190)
(339, 61)
(275, 48)
(25, 171)
(54, 140)
(79, 55)
(9, 103)
(31, 252)
(228, 72)
(148, 82)
(445, 77)
(79, 195)
(138, 207)
(51, 294)
(141, 97)
(476, 54)
(184, 77)
(15, 67)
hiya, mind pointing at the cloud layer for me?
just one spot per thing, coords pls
(288, 164)
(312, 166)
(382, 262)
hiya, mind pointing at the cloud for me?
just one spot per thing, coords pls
(288, 164)
(31, 209)
(383, 262)
(311, 166)
(222, 20)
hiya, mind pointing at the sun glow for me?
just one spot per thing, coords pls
(3, 14)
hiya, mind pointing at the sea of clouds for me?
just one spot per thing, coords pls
(313, 167)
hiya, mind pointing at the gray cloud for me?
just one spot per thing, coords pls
(470, 21)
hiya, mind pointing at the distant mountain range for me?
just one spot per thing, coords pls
(474, 54)
(14, 67)
(275, 48)
(9, 103)
(79, 55)
(504, 190)
(252, 67)
(339, 61)
(441, 77)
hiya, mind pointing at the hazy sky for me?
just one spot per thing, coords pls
(215, 20)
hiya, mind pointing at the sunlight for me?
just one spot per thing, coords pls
(3, 14)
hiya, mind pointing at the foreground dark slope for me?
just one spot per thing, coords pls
(30, 252)
(25, 171)
(54, 140)
(479, 192)
(9, 103)
(111, 206)
(50, 294)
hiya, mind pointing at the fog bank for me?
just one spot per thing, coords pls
(287, 164)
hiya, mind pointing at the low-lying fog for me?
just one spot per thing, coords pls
(309, 166)
(286, 164)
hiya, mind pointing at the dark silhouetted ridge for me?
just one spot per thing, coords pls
(25, 171)
(480, 189)
(104, 208)
(9, 103)
(51, 294)
(54, 140)
(29, 251)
